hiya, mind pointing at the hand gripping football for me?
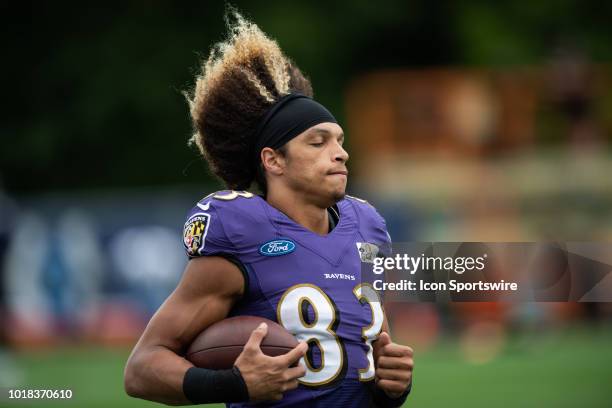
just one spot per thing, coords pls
(220, 344)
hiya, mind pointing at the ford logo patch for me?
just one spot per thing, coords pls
(277, 247)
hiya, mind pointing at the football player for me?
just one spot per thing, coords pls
(297, 253)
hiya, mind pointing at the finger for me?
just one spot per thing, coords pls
(396, 350)
(393, 374)
(290, 385)
(294, 355)
(256, 337)
(378, 344)
(396, 387)
(383, 339)
(294, 373)
(402, 363)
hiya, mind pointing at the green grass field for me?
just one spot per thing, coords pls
(567, 369)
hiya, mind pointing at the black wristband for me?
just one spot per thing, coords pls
(382, 400)
(203, 386)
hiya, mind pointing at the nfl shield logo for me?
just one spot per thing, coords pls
(367, 251)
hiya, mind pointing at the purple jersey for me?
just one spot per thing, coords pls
(315, 286)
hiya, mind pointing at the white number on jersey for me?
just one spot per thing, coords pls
(290, 314)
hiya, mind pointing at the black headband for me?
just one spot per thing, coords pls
(288, 117)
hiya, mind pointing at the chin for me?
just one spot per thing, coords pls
(326, 196)
(338, 195)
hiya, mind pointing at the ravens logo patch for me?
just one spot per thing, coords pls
(194, 233)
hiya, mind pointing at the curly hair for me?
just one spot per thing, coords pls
(242, 77)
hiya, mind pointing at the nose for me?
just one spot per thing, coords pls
(340, 154)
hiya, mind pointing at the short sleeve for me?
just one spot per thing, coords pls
(203, 232)
(386, 244)
(372, 226)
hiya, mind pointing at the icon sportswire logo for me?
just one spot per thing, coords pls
(277, 247)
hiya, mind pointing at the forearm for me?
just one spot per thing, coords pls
(157, 374)
(155, 370)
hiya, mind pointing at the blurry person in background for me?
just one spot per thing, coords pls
(148, 258)
(572, 93)
(10, 374)
(8, 213)
(53, 273)
(78, 295)
(28, 306)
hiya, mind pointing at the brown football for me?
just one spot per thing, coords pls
(219, 345)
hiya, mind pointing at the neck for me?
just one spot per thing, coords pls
(307, 214)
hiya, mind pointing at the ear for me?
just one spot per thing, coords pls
(273, 162)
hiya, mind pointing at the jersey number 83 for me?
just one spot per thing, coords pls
(291, 314)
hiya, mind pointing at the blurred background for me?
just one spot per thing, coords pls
(465, 121)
